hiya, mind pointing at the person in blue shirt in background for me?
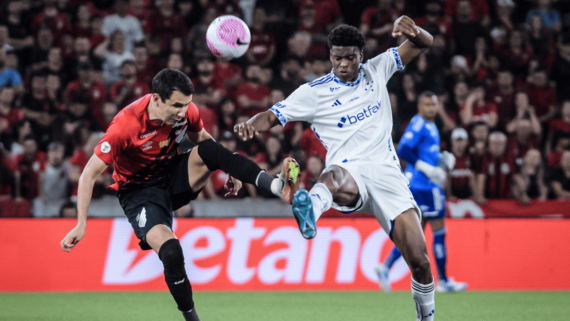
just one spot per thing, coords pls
(427, 170)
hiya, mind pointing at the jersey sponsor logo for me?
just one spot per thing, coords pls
(333, 89)
(105, 147)
(366, 112)
(164, 143)
(148, 135)
(147, 145)
(141, 218)
(182, 123)
(353, 99)
(336, 103)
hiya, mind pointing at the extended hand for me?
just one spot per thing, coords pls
(72, 238)
(232, 186)
(405, 26)
(245, 131)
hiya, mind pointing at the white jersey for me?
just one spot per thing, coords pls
(352, 120)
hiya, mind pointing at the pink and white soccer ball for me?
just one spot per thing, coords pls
(228, 36)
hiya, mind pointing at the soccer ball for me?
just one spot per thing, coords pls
(228, 37)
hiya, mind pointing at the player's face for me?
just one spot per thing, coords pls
(173, 109)
(345, 61)
(427, 107)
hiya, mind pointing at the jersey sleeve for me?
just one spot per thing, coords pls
(112, 143)
(411, 138)
(301, 105)
(386, 64)
(195, 123)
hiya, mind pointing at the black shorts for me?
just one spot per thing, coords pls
(148, 206)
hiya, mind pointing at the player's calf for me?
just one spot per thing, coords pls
(172, 258)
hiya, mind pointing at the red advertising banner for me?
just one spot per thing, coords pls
(270, 254)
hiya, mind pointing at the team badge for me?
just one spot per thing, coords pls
(105, 147)
(164, 143)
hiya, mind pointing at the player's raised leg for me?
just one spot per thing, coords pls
(408, 236)
(334, 185)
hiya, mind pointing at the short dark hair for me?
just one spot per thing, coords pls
(169, 80)
(346, 36)
(127, 62)
(426, 93)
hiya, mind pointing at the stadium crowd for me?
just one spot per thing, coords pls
(500, 70)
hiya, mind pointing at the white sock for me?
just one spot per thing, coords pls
(321, 198)
(276, 189)
(423, 295)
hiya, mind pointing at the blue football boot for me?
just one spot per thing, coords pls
(304, 215)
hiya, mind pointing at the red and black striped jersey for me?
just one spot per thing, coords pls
(141, 149)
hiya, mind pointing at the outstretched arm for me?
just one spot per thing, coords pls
(261, 122)
(418, 41)
(92, 170)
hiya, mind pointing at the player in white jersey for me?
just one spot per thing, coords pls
(349, 111)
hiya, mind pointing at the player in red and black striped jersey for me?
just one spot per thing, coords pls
(153, 180)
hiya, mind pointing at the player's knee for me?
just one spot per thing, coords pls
(171, 255)
(420, 267)
(213, 154)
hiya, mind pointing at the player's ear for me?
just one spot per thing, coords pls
(362, 56)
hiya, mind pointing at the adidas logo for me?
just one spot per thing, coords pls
(336, 103)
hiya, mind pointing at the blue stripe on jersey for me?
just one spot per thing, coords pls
(321, 81)
(349, 84)
(279, 115)
(397, 57)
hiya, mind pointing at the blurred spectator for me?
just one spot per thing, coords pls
(561, 178)
(213, 87)
(478, 144)
(80, 115)
(129, 26)
(5, 38)
(215, 186)
(378, 21)
(561, 69)
(261, 50)
(327, 12)
(9, 77)
(480, 67)
(110, 110)
(190, 11)
(311, 144)
(114, 53)
(38, 108)
(449, 112)
(54, 183)
(495, 179)
(434, 22)
(68, 210)
(21, 37)
(252, 97)
(85, 148)
(550, 17)
(501, 92)
(82, 26)
(228, 72)
(54, 90)
(558, 128)
(407, 105)
(29, 170)
(228, 115)
(522, 140)
(477, 109)
(55, 65)
(465, 27)
(138, 9)
(94, 91)
(9, 114)
(163, 24)
(271, 160)
(459, 71)
(52, 19)
(517, 55)
(529, 181)
(147, 68)
(479, 10)
(81, 54)
(198, 34)
(542, 96)
(309, 177)
(504, 14)
(461, 182)
(39, 55)
(209, 116)
(524, 111)
(96, 35)
(289, 77)
(542, 42)
(6, 178)
(21, 130)
(175, 61)
(129, 88)
(318, 39)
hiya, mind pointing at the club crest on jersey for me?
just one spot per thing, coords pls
(105, 147)
(366, 112)
(333, 89)
(164, 143)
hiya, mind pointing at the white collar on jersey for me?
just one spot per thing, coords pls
(349, 84)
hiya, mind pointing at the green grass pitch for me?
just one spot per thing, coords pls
(281, 306)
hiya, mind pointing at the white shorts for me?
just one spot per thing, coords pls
(384, 191)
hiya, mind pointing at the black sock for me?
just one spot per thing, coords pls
(216, 156)
(191, 315)
(171, 255)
